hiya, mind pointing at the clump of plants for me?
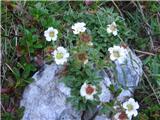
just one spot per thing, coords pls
(86, 51)
(81, 63)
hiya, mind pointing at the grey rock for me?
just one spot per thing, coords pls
(105, 95)
(102, 117)
(129, 74)
(45, 98)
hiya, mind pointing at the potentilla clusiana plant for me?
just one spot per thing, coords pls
(81, 64)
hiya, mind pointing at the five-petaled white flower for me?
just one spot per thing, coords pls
(60, 55)
(118, 53)
(131, 107)
(51, 34)
(79, 27)
(112, 28)
(88, 91)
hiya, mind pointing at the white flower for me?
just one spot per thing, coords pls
(90, 43)
(86, 61)
(51, 34)
(121, 116)
(60, 55)
(88, 91)
(131, 107)
(118, 53)
(112, 28)
(79, 27)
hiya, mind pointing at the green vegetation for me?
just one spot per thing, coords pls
(24, 48)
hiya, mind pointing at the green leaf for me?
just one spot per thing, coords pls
(111, 88)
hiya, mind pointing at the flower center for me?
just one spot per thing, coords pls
(85, 38)
(82, 56)
(59, 55)
(130, 107)
(113, 27)
(116, 54)
(51, 34)
(122, 116)
(89, 90)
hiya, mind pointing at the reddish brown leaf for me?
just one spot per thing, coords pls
(7, 90)
(27, 56)
(18, 51)
(64, 71)
(39, 60)
(9, 4)
(49, 50)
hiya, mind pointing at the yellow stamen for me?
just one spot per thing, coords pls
(51, 34)
(113, 27)
(59, 55)
(130, 107)
(116, 54)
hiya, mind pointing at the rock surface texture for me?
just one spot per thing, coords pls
(45, 98)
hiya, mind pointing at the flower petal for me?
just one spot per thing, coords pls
(48, 38)
(115, 33)
(109, 30)
(78, 27)
(135, 113)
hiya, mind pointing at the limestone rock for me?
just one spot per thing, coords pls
(45, 98)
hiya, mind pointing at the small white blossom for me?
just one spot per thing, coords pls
(79, 27)
(118, 53)
(131, 107)
(51, 34)
(60, 55)
(88, 91)
(112, 28)
(86, 61)
(90, 43)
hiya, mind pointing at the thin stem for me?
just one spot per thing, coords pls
(151, 87)
(117, 8)
(3, 107)
(99, 21)
(120, 39)
(148, 53)
(148, 29)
